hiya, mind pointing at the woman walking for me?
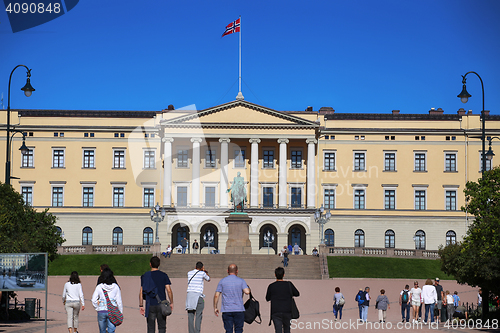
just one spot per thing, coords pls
(429, 297)
(382, 303)
(338, 303)
(73, 300)
(415, 293)
(99, 300)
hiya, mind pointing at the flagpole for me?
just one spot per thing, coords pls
(240, 95)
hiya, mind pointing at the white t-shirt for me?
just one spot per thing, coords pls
(449, 299)
(415, 294)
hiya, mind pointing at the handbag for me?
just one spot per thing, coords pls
(114, 314)
(252, 310)
(165, 307)
(295, 309)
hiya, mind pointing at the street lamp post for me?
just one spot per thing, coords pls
(322, 218)
(490, 153)
(464, 97)
(28, 89)
(157, 216)
(208, 238)
(268, 239)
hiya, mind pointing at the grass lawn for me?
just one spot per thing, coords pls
(88, 264)
(394, 268)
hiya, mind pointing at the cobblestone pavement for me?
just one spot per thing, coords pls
(314, 303)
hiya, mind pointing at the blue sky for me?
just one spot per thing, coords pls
(355, 56)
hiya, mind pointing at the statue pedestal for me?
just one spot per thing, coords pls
(238, 241)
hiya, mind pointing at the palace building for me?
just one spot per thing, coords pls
(389, 180)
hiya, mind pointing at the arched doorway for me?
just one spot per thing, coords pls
(209, 234)
(268, 233)
(179, 231)
(297, 234)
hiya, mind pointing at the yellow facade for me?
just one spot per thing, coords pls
(389, 180)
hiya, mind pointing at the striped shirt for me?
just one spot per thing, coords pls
(197, 281)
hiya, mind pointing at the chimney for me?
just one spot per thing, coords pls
(486, 112)
(326, 110)
(461, 112)
(434, 111)
(170, 107)
(395, 111)
(309, 108)
(469, 112)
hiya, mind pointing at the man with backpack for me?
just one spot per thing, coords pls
(404, 301)
(360, 299)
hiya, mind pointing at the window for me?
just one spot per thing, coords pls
(149, 197)
(210, 158)
(390, 199)
(390, 237)
(419, 161)
(268, 197)
(451, 200)
(88, 197)
(57, 196)
(329, 198)
(119, 159)
(451, 237)
(27, 193)
(359, 238)
(210, 196)
(87, 236)
(147, 236)
(268, 161)
(296, 159)
(27, 159)
(182, 196)
(58, 158)
(450, 162)
(182, 158)
(390, 162)
(88, 158)
(359, 199)
(359, 161)
(149, 159)
(420, 199)
(239, 158)
(118, 196)
(296, 197)
(329, 237)
(419, 239)
(329, 161)
(117, 236)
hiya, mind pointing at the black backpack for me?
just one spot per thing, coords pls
(252, 310)
(404, 297)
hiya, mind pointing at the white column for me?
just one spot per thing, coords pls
(195, 184)
(311, 173)
(224, 161)
(282, 194)
(254, 173)
(167, 171)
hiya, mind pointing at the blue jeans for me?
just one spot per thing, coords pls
(431, 308)
(103, 322)
(233, 319)
(337, 309)
(360, 311)
(365, 313)
(405, 308)
(285, 262)
(184, 249)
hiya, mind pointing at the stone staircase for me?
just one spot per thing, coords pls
(250, 266)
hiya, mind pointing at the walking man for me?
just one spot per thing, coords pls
(196, 246)
(155, 282)
(440, 296)
(366, 304)
(195, 300)
(230, 289)
(404, 301)
(184, 244)
(280, 294)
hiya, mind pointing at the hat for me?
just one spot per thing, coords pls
(437, 279)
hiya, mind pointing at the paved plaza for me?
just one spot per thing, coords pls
(314, 303)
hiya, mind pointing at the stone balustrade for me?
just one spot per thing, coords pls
(110, 249)
(380, 252)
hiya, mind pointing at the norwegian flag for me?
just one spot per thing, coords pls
(232, 27)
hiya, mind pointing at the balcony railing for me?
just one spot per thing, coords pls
(109, 249)
(381, 252)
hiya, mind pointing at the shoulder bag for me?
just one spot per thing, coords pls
(114, 314)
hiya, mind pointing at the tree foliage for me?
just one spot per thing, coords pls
(476, 260)
(23, 229)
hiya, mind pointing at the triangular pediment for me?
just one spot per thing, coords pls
(238, 114)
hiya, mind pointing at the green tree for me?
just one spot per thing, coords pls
(23, 229)
(476, 260)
